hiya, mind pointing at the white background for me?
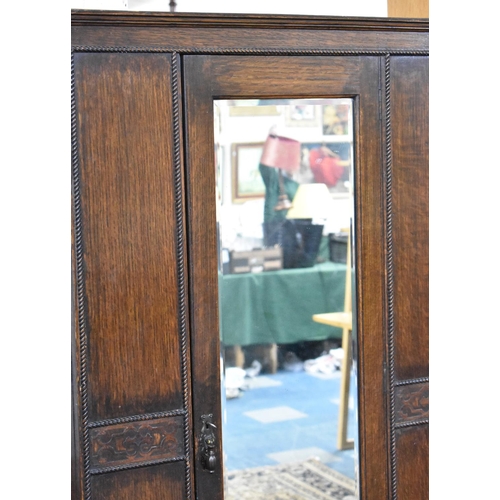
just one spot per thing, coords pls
(375, 8)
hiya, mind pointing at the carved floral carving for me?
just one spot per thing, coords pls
(412, 402)
(137, 442)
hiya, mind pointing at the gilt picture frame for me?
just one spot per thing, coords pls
(247, 183)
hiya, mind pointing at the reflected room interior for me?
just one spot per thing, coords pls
(285, 218)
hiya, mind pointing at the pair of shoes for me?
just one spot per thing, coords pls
(293, 363)
(254, 369)
(234, 382)
(326, 363)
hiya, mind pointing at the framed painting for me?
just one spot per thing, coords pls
(336, 119)
(247, 107)
(329, 163)
(247, 181)
(301, 115)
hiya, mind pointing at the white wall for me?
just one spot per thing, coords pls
(242, 222)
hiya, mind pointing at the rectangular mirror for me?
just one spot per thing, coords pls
(285, 218)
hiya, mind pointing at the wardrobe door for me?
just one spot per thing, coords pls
(210, 77)
(131, 385)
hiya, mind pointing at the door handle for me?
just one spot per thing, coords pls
(207, 444)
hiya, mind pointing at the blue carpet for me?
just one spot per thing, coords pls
(248, 442)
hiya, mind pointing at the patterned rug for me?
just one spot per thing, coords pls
(309, 480)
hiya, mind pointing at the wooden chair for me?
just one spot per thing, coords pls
(343, 319)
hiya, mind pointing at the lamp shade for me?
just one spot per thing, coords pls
(281, 152)
(311, 201)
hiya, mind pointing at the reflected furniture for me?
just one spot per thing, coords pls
(343, 319)
(275, 307)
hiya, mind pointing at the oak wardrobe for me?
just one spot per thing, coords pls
(145, 357)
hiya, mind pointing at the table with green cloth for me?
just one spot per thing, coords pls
(276, 307)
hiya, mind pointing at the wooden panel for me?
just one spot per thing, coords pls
(408, 8)
(159, 482)
(136, 442)
(410, 214)
(124, 128)
(336, 77)
(412, 451)
(201, 38)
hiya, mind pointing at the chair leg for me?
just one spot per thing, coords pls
(342, 442)
(235, 356)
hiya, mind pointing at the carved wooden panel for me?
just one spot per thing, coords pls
(412, 403)
(136, 442)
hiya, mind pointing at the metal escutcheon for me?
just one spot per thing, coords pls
(207, 444)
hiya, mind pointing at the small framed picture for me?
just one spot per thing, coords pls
(336, 119)
(252, 108)
(247, 181)
(329, 163)
(301, 115)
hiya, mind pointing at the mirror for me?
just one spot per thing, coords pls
(285, 212)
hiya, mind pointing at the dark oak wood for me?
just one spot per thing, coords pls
(144, 245)
(199, 39)
(124, 119)
(412, 445)
(193, 20)
(191, 32)
(410, 203)
(129, 349)
(369, 264)
(135, 443)
(159, 482)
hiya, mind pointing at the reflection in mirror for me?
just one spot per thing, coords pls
(284, 191)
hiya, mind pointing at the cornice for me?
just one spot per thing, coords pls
(260, 21)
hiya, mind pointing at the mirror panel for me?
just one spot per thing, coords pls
(285, 210)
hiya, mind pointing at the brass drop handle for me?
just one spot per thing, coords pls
(207, 444)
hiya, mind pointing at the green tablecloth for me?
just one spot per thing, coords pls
(277, 306)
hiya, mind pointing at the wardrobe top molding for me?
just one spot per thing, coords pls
(188, 31)
(136, 18)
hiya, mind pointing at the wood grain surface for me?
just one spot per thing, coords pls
(159, 482)
(410, 214)
(128, 219)
(412, 448)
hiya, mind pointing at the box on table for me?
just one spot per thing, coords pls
(256, 261)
